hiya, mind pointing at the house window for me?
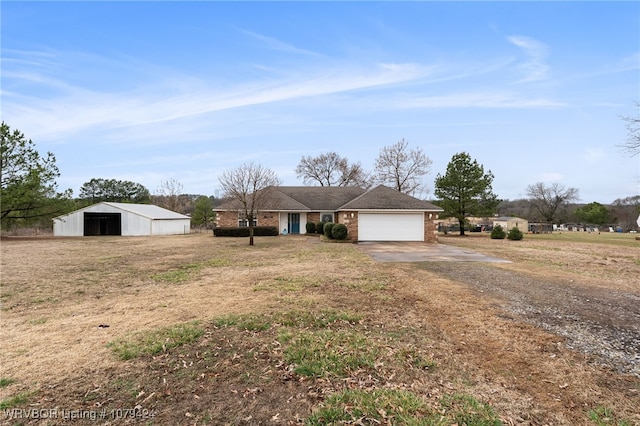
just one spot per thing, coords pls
(243, 221)
(326, 217)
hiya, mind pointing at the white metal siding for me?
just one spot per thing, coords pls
(171, 226)
(134, 225)
(391, 226)
(72, 225)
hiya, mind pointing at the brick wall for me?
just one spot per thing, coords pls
(313, 217)
(226, 219)
(430, 228)
(268, 219)
(350, 220)
(230, 219)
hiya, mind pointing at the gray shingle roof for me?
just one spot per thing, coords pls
(334, 198)
(384, 198)
(322, 197)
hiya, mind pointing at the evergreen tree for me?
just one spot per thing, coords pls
(203, 213)
(465, 190)
(28, 187)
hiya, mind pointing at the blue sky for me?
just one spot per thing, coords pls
(152, 91)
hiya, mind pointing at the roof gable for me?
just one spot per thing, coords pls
(318, 198)
(145, 210)
(384, 198)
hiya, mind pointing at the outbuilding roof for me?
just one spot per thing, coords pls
(148, 210)
(507, 218)
(145, 210)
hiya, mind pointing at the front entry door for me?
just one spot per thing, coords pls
(294, 223)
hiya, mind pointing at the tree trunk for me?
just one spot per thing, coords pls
(461, 222)
(250, 234)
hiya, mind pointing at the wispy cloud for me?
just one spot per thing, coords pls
(534, 67)
(158, 110)
(495, 99)
(631, 62)
(77, 108)
(279, 45)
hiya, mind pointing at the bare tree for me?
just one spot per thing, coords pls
(548, 201)
(168, 195)
(330, 169)
(246, 184)
(402, 168)
(632, 145)
(625, 212)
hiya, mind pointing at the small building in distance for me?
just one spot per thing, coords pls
(125, 219)
(509, 222)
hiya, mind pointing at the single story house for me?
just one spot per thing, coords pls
(509, 222)
(378, 214)
(108, 218)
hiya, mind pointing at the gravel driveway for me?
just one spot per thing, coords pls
(598, 322)
(603, 323)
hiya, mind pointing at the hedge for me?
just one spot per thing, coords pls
(327, 229)
(339, 231)
(311, 228)
(243, 231)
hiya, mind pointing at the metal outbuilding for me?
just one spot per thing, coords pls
(108, 218)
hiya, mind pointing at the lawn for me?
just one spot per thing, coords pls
(202, 330)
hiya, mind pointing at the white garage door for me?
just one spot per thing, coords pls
(391, 227)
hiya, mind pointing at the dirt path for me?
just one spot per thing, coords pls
(595, 321)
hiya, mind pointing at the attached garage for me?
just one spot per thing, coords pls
(121, 219)
(384, 214)
(391, 226)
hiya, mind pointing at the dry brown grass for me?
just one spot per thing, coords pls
(56, 292)
(608, 260)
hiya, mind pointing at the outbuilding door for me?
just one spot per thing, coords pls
(391, 226)
(102, 224)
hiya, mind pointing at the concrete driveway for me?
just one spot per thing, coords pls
(422, 252)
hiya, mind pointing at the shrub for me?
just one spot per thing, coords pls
(311, 228)
(514, 234)
(339, 231)
(320, 228)
(498, 233)
(328, 226)
(243, 231)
